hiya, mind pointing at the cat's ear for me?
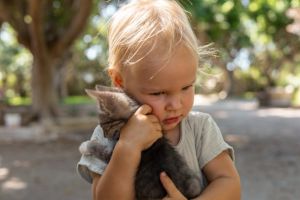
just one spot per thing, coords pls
(93, 93)
(106, 99)
(106, 88)
(103, 95)
(100, 96)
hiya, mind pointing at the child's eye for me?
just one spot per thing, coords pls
(187, 87)
(157, 93)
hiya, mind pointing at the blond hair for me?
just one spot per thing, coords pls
(143, 26)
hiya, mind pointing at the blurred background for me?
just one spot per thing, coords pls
(51, 50)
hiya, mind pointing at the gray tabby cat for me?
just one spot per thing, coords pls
(115, 108)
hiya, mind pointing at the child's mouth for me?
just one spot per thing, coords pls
(171, 120)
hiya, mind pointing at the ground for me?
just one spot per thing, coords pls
(266, 142)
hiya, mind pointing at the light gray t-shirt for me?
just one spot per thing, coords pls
(200, 142)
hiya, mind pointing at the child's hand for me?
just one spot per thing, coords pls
(142, 129)
(172, 192)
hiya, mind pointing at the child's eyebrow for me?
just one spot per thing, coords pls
(149, 89)
(194, 81)
(191, 83)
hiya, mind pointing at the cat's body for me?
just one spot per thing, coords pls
(115, 109)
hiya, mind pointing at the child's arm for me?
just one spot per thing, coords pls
(117, 181)
(223, 178)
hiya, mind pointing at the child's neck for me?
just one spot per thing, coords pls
(173, 135)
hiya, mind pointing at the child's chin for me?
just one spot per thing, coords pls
(169, 127)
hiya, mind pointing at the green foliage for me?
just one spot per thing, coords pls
(19, 101)
(209, 80)
(59, 15)
(89, 60)
(249, 80)
(70, 100)
(296, 97)
(15, 63)
(75, 100)
(221, 20)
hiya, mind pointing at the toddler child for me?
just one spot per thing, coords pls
(153, 57)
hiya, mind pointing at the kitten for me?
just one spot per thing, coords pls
(115, 108)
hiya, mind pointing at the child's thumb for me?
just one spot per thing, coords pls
(144, 110)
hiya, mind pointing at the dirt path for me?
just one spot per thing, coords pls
(266, 141)
(41, 171)
(267, 147)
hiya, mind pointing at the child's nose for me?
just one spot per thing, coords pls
(174, 102)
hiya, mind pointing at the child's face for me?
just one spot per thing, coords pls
(170, 92)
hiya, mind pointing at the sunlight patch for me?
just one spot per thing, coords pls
(3, 173)
(222, 114)
(14, 183)
(279, 112)
(237, 140)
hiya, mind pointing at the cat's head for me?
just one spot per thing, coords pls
(115, 108)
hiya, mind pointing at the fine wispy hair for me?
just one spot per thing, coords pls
(144, 29)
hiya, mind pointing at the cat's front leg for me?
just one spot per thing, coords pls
(95, 148)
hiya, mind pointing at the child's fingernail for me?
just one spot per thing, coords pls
(163, 174)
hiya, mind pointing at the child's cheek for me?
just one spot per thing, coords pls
(157, 109)
(157, 105)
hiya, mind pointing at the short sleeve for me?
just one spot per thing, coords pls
(89, 163)
(209, 140)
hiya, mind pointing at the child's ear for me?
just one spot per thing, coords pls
(115, 77)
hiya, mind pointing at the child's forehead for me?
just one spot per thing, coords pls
(153, 66)
(149, 60)
(159, 55)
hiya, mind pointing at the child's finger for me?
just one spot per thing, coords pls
(144, 110)
(168, 185)
(153, 119)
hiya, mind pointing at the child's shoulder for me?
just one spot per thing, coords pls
(196, 121)
(197, 116)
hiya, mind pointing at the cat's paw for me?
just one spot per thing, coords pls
(95, 148)
(84, 148)
(193, 188)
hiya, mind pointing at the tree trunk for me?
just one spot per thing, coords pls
(47, 40)
(44, 97)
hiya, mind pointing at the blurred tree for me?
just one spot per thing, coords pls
(254, 27)
(273, 44)
(294, 13)
(222, 23)
(89, 60)
(275, 51)
(47, 28)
